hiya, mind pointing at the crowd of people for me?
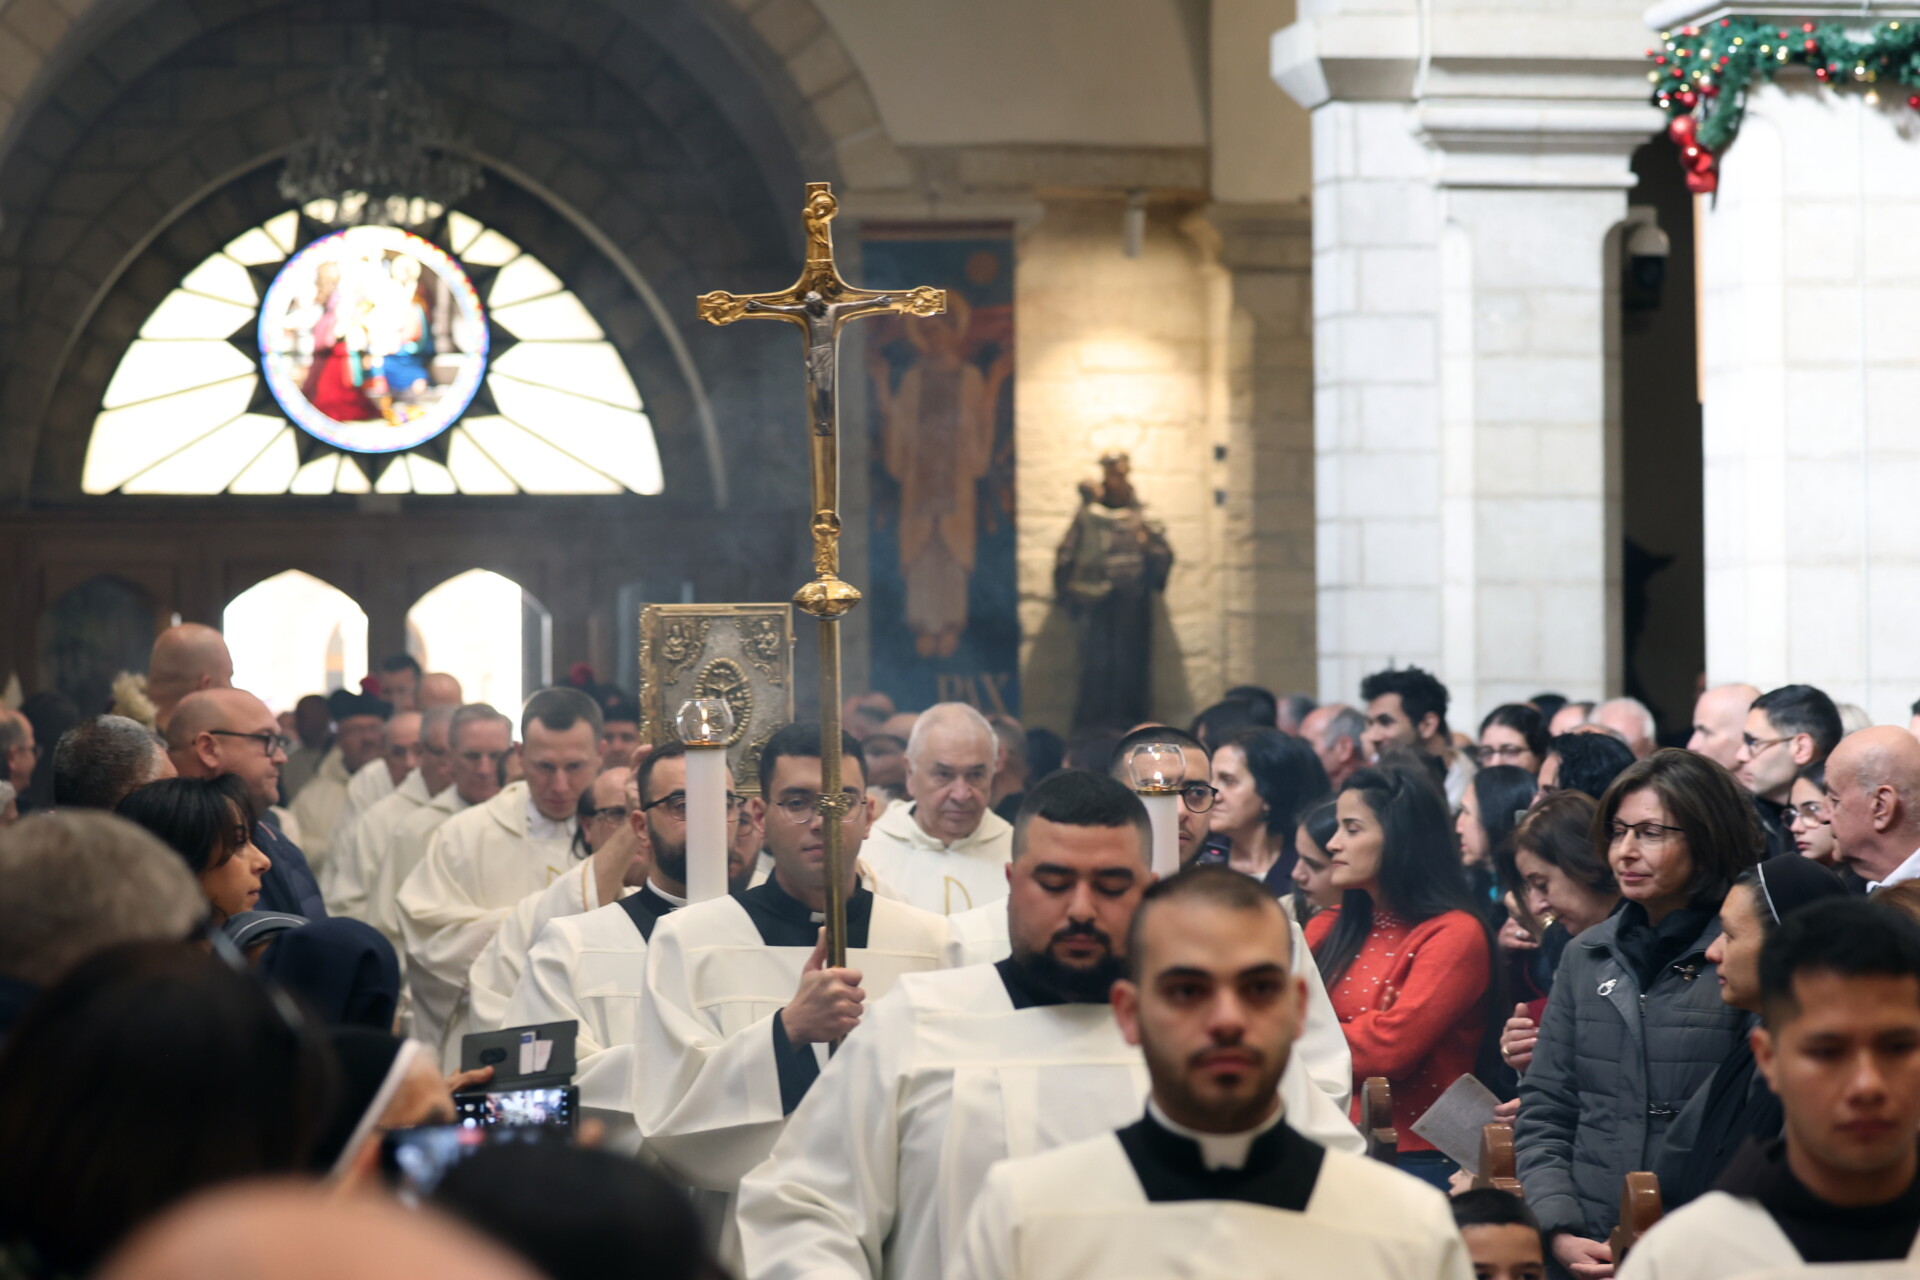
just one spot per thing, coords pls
(245, 954)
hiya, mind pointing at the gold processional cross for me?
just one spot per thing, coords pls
(820, 302)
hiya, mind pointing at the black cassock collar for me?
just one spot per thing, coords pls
(1281, 1170)
(645, 909)
(785, 921)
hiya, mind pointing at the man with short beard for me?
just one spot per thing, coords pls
(1218, 1179)
(961, 1068)
(591, 968)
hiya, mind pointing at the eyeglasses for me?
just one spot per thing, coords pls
(1199, 797)
(801, 808)
(1505, 753)
(1755, 745)
(269, 742)
(676, 805)
(1651, 834)
(612, 813)
(1812, 811)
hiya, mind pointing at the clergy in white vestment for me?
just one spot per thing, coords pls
(944, 849)
(400, 753)
(480, 739)
(356, 853)
(360, 721)
(592, 968)
(1215, 1182)
(481, 863)
(602, 818)
(1839, 1044)
(958, 1069)
(740, 1007)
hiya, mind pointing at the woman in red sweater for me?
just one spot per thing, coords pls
(1406, 960)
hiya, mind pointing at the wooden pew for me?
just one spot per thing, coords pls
(1640, 1208)
(1497, 1169)
(1376, 1119)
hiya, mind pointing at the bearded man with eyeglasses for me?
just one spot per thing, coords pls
(1787, 729)
(229, 731)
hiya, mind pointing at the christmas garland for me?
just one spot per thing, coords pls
(1701, 76)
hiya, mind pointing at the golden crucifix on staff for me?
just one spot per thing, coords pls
(820, 302)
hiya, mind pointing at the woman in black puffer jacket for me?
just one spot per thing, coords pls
(1635, 1023)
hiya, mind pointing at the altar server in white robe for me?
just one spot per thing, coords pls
(1214, 1181)
(740, 1006)
(399, 753)
(480, 739)
(480, 863)
(592, 968)
(356, 853)
(360, 721)
(601, 815)
(1839, 1043)
(945, 850)
(958, 1069)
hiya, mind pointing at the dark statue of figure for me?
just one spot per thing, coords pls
(1109, 565)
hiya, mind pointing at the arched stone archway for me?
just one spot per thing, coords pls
(292, 634)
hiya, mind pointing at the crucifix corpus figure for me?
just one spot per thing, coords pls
(819, 302)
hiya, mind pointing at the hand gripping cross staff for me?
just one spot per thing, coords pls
(820, 302)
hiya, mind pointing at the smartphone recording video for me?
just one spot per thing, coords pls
(415, 1160)
(551, 1108)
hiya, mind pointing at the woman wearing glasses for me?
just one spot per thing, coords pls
(1265, 780)
(1807, 816)
(1513, 734)
(1635, 1024)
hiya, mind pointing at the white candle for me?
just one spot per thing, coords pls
(1163, 810)
(708, 832)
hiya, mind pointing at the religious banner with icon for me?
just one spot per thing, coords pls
(741, 654)
(945, 625)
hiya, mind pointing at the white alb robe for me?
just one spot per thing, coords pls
(496, 971)
(317, 808)
(1726, 1237)
(1081, 1212)
(981, 937)
(705, 1079)
(878, 1168)
(399, 855)
(479, 864)
(350, 877)
(925, 872)
(372, 784)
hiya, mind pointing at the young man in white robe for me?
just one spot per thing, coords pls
(591, 968)
(482, 862)
(958, 1069)
(602, 817)
(360, 725)
(400, 753)
(946, 850)
(1839, 1042)
(356, 852)
(740, 1005)
(1214, 1182)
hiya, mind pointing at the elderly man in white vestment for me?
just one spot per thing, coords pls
(944, 849)
(591, 968)
(480, 863)
(1839, 1044)
(357, 850)
(958, 1069)
(360, 725)
(602, 817)
(400, 752)
(740, 1005)
(1215, 1181)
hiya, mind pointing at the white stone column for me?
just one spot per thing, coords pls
(1468, 170)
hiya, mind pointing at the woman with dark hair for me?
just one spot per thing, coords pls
(208, 822)
(1489, 811)
(1635, 1024)
(1313, 890)
(1807, 820)
(1406, 959)
(149, 1072)
(1265, 779)
(1514, 734)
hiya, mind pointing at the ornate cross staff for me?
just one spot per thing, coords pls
(820, 302)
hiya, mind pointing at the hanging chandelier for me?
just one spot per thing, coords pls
(384, 152)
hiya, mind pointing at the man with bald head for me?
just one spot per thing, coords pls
(1873, 801)
(438, 689)
(945, 850)
(1719, 718)
(217, 732)
(186, 658)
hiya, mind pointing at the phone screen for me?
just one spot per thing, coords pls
(549, 1108)
(415, 1160)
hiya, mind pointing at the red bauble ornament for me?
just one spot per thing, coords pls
(1807, 27)
(1681, 129)
(1688, 97)
(1703, 184)
(1711, 90)
(1914, 102)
